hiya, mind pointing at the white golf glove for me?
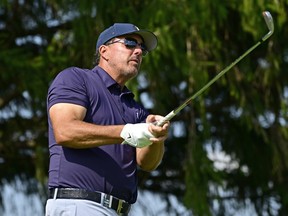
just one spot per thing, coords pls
(136, 135)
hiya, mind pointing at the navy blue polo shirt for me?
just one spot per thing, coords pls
(111, 169)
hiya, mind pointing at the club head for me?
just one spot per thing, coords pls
(270, 24)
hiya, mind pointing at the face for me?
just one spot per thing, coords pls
(122, 61)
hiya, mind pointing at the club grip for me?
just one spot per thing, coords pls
(168, 117)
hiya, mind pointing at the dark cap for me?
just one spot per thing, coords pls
(118, 29)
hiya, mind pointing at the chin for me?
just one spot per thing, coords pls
(134, 72)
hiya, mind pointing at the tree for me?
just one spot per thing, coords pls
(244, 114)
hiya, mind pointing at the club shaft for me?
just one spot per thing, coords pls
(174, 112)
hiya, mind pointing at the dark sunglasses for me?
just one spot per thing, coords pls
(131, 43)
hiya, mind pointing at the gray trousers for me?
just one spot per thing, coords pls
(76, 207)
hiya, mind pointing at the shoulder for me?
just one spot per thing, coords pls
(72, 74)
(74, 71)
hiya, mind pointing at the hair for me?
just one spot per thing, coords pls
(96, 58)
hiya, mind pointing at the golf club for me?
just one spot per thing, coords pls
(269, 22)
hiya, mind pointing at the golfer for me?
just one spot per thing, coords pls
(98, 134)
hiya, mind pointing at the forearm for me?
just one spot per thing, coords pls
(79, 134)
(150, 157)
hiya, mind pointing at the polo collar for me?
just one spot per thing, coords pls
(108, 80)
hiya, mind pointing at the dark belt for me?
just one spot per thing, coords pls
(120, 206)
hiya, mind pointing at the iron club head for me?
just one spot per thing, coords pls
(269, 22)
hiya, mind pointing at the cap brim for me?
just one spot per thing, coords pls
(150, 39)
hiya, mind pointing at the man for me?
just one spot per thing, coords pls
(98, 134)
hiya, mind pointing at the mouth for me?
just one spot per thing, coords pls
(135, 60)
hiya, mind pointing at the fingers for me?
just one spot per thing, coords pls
(157, 118)
(160, 132)
(158, 139)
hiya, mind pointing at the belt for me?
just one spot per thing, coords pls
(120, 206)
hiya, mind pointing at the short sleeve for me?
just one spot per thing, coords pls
(68, 87)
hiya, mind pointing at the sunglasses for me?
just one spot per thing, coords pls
(131, 43)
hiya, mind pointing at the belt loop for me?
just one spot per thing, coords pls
(106, 200)
(102, 199)
(55, 193)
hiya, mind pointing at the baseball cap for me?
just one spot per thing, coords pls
(118, 29)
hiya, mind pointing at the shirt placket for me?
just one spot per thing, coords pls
(119, 100)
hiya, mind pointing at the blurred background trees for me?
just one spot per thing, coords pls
(230, 144)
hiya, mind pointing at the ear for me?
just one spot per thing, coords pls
(103, 51)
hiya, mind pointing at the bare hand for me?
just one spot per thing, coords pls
(160, 132)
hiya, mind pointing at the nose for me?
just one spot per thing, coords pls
(139, 46)
(138, 49)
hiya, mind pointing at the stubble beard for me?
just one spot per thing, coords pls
(131, 71)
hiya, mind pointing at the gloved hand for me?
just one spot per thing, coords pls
(136, 135)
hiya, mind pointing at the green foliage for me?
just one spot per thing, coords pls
(244, 114)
